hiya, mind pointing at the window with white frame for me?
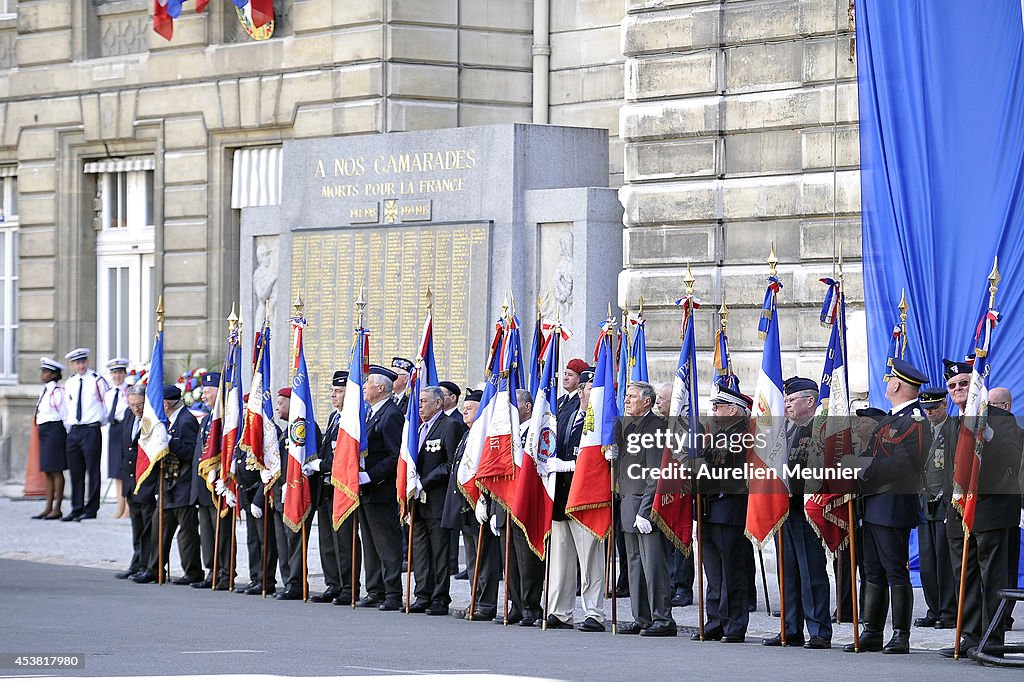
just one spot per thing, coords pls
(125, 242)
(8, 9)
(8, 273)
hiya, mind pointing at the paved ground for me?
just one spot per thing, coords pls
(61, 595)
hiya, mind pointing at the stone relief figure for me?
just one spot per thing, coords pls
(264, 278)
(557, 297)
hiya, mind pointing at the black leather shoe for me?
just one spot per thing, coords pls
(482, 616)
(187, 580)
(368, 602)
(71, 517)
(791, 640)
(289, 595)
(628, 628)
(899, 644)
(124, 575)
(223, 584)
(257, 589)
(436, 610)
(990, 649)
(390, 605)
(143, 577)
(527, 622)
(945, 625)
(680, 600)
(343, 599)
(591, 624)
(710, 635)
(513, 618)
(555, 623)
(326, 597)
(40, 515)
(659, 630)
(202, 584)
(417, 607)
(243, 588)
(461, 575)
(817, 642)
(733, 639)
(85, 517)
(926, 622)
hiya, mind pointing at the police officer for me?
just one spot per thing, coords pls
(85, 414)
(889, 474)
(937, 579)
(202, 496)
(806, 581)
(49, 418)
(996, 516)
(177, 467)
(116, 405)
(725, 518)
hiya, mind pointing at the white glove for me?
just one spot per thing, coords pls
(219, 487)
(494, 526)
(423, 497)
(211, 475)
(234, 463)
(256, 511)
(643, 525)
(561, 466)
(310, 467)
(611, 453)
(364, 478)
(481, 510)
(265, 477)
(230, 499)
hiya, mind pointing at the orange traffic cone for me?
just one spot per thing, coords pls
(35, 482)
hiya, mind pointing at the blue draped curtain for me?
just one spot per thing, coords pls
(941, 99)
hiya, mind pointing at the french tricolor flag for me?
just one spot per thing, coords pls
(153, 438)
(302, 445)
(408, 478)
(350, 447)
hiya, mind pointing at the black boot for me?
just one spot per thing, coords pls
(902, 614)
(876, 605)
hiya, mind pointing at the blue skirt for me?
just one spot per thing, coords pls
(52, 449)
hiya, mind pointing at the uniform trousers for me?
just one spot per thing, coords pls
(430, 544)
(490, 552)
(727, 599)
(806, 580)
(186, 523)
(525, 575)
(383, 549)
(987, 563)
(289, 551)
(336, 547)
(84, 445)
(650, 593)
(886, 553)
(210, 536)
(259, 533)
(572, 546)
(143, 545)
(937, 579)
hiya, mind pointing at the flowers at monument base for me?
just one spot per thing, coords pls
(137, 374)
(191, 385)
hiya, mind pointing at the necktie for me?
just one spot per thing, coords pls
(78, 406)
(423, 435)
(135, 430)
(113, 406)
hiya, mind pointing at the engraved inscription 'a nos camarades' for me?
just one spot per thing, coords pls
(395, 266)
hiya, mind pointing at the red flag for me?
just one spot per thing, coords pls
(162, 21)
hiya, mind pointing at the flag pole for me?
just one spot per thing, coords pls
(508, 539)
(355, 562)
(216, 546)
(234, 326)
(611, 527)
(850, 511)
(723, 314)
(547, 584)
(298, 306)
(160, 510)
(773, 262)
(476, 568)
(265, 531)
(408, 559)
(993, 287)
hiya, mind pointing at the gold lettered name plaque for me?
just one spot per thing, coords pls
(394, 264)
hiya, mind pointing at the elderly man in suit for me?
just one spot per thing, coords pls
(439, 437)
(646, 546)
(202, 496)
(176, 468)
(141, 505)
(378, 503)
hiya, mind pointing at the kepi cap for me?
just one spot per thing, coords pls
(77, 354)
(731, 397)
(383, 371)
(340, 378)
(933, 397)
(906, 372)
(50, 364)
(118, 363)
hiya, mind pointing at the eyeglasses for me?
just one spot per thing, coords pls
(958, 384)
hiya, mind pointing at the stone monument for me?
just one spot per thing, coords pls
(474, 214)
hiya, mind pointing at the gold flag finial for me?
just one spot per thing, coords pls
(609, 310)
(772, 260)
(266, 311)
(723, 312)
(232, 319)
(430, 298)
(993, 282)
(360, 305)
(160, 313)
(297, 304)
(904, 306)
(689, 280)
(640, 308)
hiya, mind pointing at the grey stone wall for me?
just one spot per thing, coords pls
(730, 111)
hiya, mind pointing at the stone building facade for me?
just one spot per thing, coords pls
(118, 151)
